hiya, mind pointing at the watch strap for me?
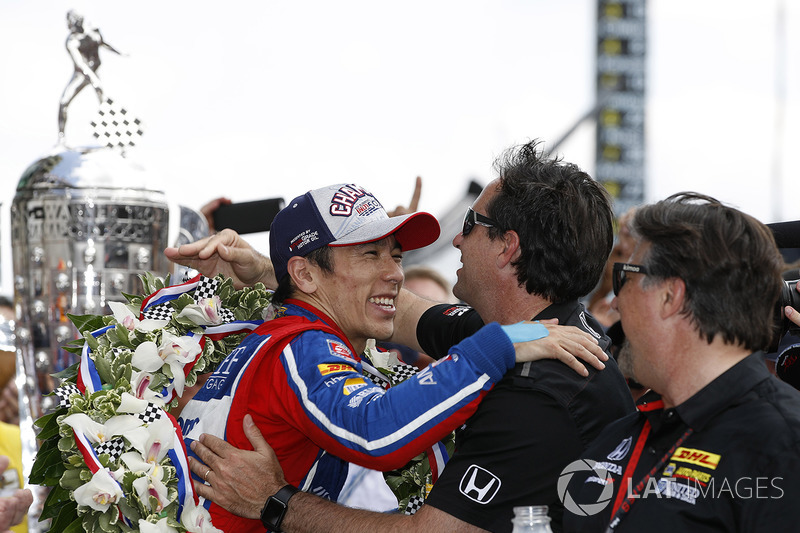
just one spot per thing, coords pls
(275, 509)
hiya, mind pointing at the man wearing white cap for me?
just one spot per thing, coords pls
(337, 256)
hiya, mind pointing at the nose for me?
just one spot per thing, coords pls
(394, 272)
(457, 239)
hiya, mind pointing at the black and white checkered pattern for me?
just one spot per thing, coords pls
(115, 127)
(113, 448)
(206, 288)
(150, 414)
(414, 504)
(159, 312)
(401, 372)
(64, 392)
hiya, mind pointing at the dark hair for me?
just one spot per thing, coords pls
(727, 259)
(563, 218)
(322, 257)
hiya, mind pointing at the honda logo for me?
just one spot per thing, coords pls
(621, 450)
(479, 485)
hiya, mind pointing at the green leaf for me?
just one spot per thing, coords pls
(55, 499)
(72, 370)
(48, 454)
(103, 367)
(86, 323)
(67, 516)
(71, 479)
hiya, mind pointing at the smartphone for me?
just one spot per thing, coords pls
(247, 217)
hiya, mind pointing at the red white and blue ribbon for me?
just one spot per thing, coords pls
(187, 498)
(88, 378)
(168, 294)
(437, 457)
(94, 464)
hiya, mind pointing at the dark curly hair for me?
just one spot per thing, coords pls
(563, 218)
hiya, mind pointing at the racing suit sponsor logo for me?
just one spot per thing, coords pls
(456, 310)
(697, 476)
(621, 450)
(353, 384)
(334, 380)
(479, 485)
(425, 377)
(332, 368)
(696, 457)
(339, 349)
(356, 400)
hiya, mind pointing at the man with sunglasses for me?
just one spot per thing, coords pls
(534, 242)
(715, 445)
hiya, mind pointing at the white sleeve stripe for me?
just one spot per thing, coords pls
(390, 439)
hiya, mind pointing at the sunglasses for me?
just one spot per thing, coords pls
(621, 271)
(472, 218)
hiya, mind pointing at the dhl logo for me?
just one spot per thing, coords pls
(326, 369)
(696, 457)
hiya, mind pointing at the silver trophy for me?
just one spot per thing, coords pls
(83, 228)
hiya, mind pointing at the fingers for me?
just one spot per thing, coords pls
(551, 321)
(210, 450)
(792, 314)
(255, 437)
(3, 463)
(24, 499)
(414, 205)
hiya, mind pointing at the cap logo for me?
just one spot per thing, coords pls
(344, 199)
(303, 239)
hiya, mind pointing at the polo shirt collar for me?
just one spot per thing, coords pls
(721, 393)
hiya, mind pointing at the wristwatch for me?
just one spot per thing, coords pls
(275, 509)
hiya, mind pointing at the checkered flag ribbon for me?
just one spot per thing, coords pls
(206, 288)
(159, 312)
(113, 448)
(400, 373)
(64, 392)
(414, 504)
(115, 127)
(150, 414)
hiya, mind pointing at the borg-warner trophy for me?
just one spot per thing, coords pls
(84, 225)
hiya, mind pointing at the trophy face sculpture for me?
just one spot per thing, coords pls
(83, 227)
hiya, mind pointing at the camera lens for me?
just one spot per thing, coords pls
(789, 294)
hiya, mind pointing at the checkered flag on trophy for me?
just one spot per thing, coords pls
(115, 126)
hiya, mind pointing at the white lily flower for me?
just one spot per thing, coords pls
(203, 313)
(159, 527)
(196, 519)
(99, 493)
(147, 486)
(127, 316)
(97, 432)
(174, 351)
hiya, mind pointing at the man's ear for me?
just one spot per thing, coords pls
(673, 295)
(303, 274)
(511, 250)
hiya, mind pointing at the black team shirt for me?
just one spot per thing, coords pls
(726, 459)
(536, 420)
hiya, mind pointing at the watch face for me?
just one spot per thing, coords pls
(273, 513)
